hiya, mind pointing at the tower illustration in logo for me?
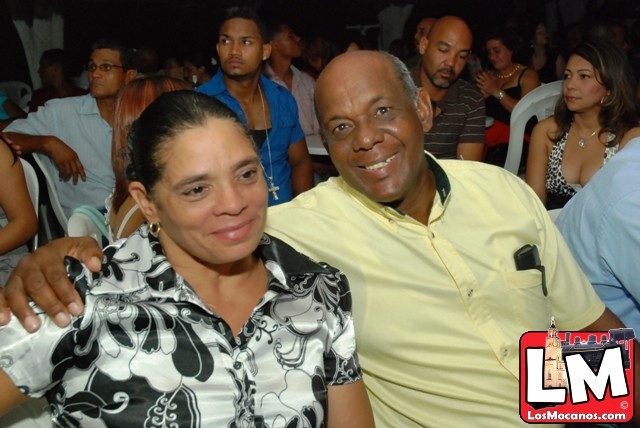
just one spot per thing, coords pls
(555, 372)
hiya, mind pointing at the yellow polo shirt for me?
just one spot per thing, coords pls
(439, 309)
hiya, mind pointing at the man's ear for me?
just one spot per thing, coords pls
(142, 198)
(266, 51)
(422, 47)
(130, 75)
(425, 109)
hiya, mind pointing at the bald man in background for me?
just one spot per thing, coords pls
(459, 111)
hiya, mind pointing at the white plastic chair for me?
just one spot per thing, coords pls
(33, 186)
(80, 224)
(19, 92)
(45, 166)
(540, 103)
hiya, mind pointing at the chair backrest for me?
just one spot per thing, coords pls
(45, 166)
(34, 192)
(81, 224)
(540, 103)
(19, 92)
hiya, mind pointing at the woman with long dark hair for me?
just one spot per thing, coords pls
(593, 119)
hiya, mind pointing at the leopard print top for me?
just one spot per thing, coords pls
(558, 190)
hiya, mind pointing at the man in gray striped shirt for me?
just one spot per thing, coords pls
(458, 126)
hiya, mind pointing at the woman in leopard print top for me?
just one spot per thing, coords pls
(593, 119)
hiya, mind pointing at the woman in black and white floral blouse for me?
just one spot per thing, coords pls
(198, 319)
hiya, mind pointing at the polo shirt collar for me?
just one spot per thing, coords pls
(216, 85)
(443, 189)
(89, 105)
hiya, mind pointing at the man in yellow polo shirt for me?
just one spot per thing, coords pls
(428, 247)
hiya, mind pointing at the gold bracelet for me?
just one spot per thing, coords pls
(500, 95)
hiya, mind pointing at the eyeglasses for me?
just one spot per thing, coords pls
(102, 67)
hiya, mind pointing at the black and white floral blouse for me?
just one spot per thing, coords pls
(149, 353)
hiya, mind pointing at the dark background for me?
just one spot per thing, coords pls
(183, 26)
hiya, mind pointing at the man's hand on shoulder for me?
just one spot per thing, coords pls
(42, 277)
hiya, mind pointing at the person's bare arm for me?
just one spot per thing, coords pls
(15, 202)
(486, 82)
(11, 395)
(470, 151)
(301, 167)
(42, 276)
(537, 159)
(530, 80)
(65, 158)
(607, 321)
(13, 110)
(348, 406)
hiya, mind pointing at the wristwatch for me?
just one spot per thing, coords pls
(500, 95)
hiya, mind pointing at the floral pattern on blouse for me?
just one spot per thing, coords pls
(149, 353)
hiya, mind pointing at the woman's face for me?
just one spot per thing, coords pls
(582, 88)
(499, 54)
(211, 201)
(541, 37)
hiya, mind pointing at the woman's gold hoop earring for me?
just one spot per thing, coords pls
(154, 229)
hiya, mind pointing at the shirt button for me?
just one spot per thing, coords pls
(238, 341)
(470, 293)
(505, 353)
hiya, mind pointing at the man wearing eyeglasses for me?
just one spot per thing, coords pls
(75, 132)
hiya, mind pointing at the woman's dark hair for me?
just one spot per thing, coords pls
(512, 41)
(166, 117)
(132, 99)
(613, 70)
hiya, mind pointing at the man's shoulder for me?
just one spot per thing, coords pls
(213, 87)
(274, 89)
(281, 97)
(464, 89)
(302, 75)
(80, 103)
(482, 175)
(322, 194)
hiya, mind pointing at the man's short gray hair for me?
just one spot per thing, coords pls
(404, 75)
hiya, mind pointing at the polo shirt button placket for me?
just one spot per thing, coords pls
(505, 353)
